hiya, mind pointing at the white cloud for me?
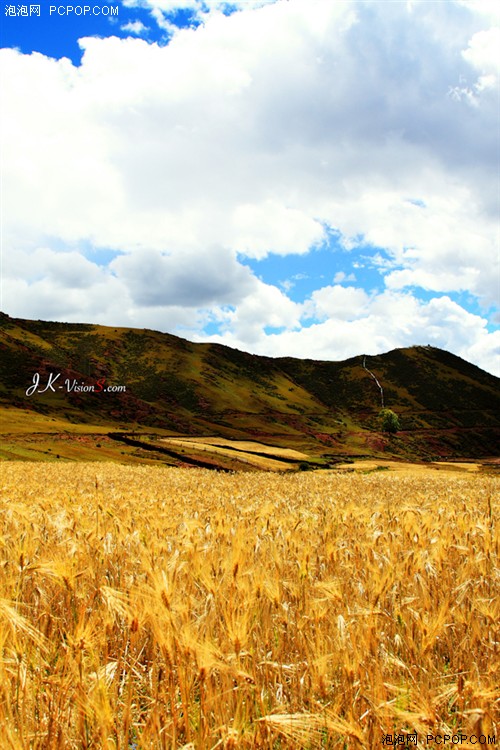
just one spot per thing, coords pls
(265, 307)
(105, 301)
(200, 6)
(342, 276)
(482, 52)
(256, 133)
(168, 6)
(134, 27)
(194, 280)
(272, 227)
(489, 9)
(338, 302)
(450, 244)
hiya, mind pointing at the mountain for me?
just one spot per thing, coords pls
(149, 385)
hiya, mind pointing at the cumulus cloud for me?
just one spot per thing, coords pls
(134, 27)
(338, 302)
(266, 131)
(272, 227)
(482, 51)
(198, 6)
(266, 307)
(187, 279)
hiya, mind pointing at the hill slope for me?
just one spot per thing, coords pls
(168, 386)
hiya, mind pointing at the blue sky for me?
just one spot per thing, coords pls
(295, 178)
(55, 31)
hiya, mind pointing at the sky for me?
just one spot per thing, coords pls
(307, 178)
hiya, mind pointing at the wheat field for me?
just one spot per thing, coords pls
(145, 608)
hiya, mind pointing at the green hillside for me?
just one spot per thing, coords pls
(156, 385)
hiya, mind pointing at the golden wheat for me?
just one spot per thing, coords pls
(167, 608)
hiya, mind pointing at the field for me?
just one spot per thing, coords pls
(147, 608)
(248, 453)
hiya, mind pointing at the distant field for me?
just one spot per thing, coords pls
(251, 446)
(154, 608)
(246, 451)
(428, 469)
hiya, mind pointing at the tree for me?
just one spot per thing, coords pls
(389, 420)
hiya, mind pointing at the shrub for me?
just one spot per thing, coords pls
(389, 420)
